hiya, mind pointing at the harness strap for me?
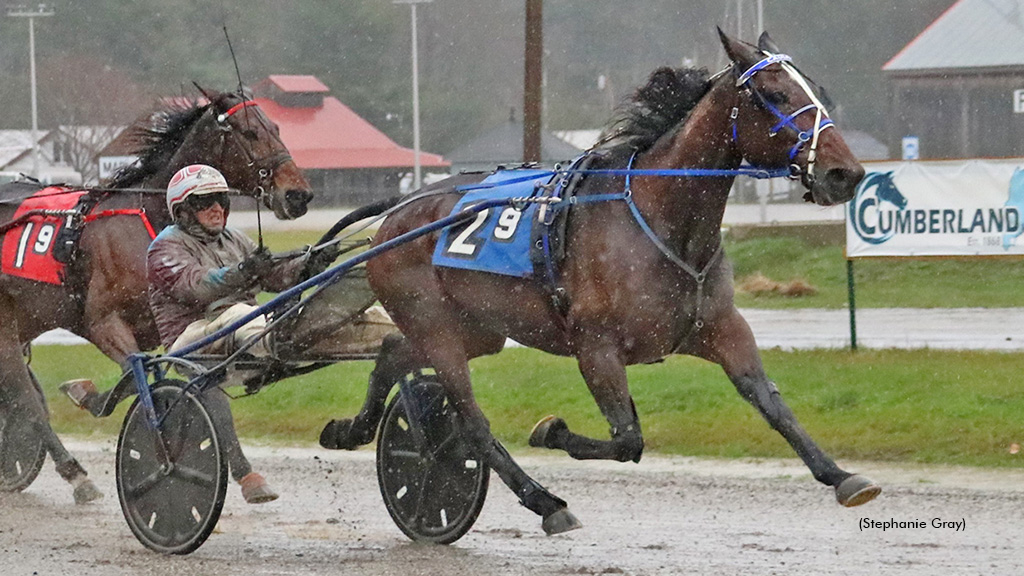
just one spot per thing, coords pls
(29, 214)
(222, 117)
(764, 63)
(750, 171)
(124, 212)
(699, 276)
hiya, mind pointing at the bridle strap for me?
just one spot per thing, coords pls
(821, 120)
(244, 104)
(764, 63)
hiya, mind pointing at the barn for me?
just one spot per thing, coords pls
(959, 85)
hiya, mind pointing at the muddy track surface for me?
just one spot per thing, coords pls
(664, 516)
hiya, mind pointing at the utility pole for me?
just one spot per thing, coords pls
(23, 12)
(534, 64)
(417, 170)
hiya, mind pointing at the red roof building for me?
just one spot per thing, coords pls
(347, 159)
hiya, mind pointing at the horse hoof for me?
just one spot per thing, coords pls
(856, 490)
(337, 435)
(87, 492)
(559, 521)
(540, 436)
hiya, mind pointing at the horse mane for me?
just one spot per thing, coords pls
(658, 106)
(155, 139)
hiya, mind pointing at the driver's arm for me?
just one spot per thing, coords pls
(188, 281)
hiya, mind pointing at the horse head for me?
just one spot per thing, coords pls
(886, 191)
(237, 138)
(779, 120)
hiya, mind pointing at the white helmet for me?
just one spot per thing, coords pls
(194, 180)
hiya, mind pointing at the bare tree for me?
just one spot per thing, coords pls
(90, 104)
(79, 145)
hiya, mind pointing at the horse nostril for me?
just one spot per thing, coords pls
(843, 178)
(298, 197)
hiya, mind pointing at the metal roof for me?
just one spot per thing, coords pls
(970, 34)
(297, 83)
(504, 145)
(332, 136)
(14, 143)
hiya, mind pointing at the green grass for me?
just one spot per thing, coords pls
(933, 283)
(914, 406)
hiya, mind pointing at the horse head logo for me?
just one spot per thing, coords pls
(1015, 199)
(874, 190)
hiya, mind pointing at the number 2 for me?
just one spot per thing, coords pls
(461, 244)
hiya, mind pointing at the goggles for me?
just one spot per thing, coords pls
(204, 201)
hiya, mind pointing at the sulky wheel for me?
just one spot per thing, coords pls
(172, 485)
(432, 486)
(22, 452)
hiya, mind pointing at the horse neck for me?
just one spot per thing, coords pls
(155, 204)
(686, 213)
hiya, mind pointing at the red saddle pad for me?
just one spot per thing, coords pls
(27, 248)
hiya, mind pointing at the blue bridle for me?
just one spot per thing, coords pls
(821, 121)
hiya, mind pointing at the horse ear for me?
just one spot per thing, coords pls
(737, 51)
(765, 43)
(210, 95)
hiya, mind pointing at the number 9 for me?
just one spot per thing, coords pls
(507, 223)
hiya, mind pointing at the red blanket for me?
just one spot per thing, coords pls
(27, 248)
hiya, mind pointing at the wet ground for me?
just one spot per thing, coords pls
(664, 516)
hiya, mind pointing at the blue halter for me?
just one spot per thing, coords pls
(822, 121)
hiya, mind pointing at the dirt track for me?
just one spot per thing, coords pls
(663, 516)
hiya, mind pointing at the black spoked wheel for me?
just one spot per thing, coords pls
(22, 452)
(432, 485)
(172, 502)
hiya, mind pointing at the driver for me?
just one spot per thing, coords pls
(204, 276)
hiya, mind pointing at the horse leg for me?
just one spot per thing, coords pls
(394, 361)
(448, 352)
(605, 375)
(115, 338)
(730, 343)
(22, 399)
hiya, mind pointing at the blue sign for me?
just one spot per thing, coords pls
(911, 148)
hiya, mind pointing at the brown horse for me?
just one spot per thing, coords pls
(643, 273)
(104, 296)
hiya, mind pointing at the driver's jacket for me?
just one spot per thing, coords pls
(191, 278)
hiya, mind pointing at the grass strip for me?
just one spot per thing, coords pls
(925, 406)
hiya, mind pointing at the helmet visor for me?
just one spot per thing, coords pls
(204, 201)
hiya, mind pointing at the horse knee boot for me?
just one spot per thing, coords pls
(629, 443)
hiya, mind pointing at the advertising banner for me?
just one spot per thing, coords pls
(948, 208)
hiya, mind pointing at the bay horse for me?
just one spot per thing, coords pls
(104, 296)
(643, 272)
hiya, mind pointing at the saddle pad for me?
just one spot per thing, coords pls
(498, 239)
(27, 248)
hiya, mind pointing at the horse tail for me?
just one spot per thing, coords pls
(368, 211)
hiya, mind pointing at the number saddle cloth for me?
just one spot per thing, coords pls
(42, 237)
(525, 241)
(29, 243)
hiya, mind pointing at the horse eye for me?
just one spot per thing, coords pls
(776, 98)
(250, 135)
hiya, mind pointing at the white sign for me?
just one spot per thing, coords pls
(911, 148)
(110, 164)
(954, 208)
(1018, 101)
